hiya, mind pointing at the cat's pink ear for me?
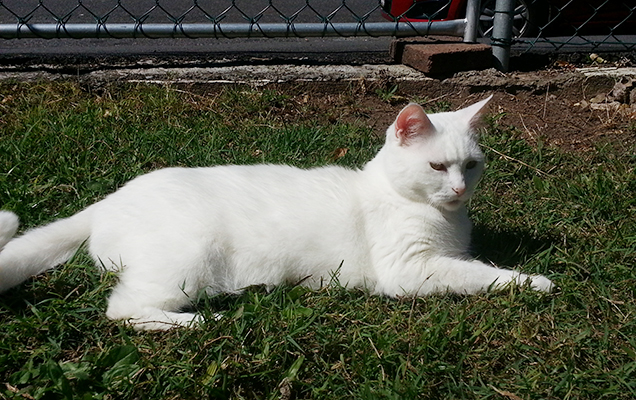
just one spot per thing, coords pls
(474, 113)
(412, 123)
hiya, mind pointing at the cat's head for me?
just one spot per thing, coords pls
(435, 158)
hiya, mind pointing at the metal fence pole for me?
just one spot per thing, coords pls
(501, 39)
(472, 20)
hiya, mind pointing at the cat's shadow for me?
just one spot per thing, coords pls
(507, 247)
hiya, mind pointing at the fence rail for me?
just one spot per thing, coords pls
(230, 30)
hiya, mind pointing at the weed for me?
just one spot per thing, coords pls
(388, 94)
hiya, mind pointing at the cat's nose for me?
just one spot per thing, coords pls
(459, 190)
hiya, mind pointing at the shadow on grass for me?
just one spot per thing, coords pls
(507, 247)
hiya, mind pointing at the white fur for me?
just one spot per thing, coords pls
(396, 227)
(8, 227)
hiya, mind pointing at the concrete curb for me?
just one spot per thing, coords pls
(267, 74)
(244, 74)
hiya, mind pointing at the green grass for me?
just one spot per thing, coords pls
(570, 216)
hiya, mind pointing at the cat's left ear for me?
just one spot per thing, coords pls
(412, 123)
(474, 113)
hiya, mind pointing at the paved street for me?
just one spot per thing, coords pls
(210, 51)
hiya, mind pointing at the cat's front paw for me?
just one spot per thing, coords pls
(541, 283)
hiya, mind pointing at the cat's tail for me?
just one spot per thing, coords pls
(39, 249)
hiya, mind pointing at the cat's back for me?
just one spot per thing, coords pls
(243, 178)
(246, 189)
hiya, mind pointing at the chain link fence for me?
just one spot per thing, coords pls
(569, 25)
(215, 18)
(542, 25)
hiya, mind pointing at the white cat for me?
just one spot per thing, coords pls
(397, 227)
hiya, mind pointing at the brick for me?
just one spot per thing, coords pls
(436, 57)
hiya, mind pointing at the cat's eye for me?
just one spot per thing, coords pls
(438, 166)
(471, 164)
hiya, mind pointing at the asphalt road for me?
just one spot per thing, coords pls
(354, 51)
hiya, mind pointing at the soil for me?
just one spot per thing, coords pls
(556, 107)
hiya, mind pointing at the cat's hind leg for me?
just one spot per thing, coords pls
(160, 274)
(151, 295)
(145, 310)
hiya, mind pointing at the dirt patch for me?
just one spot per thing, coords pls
(561, 108)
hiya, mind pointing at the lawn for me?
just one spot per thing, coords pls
(570, 216)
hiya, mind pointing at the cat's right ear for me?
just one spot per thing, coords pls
(412, 123)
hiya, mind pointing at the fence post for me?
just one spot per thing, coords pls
(472, 21)
(501, 39)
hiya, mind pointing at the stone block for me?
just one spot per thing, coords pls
(440, 57)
